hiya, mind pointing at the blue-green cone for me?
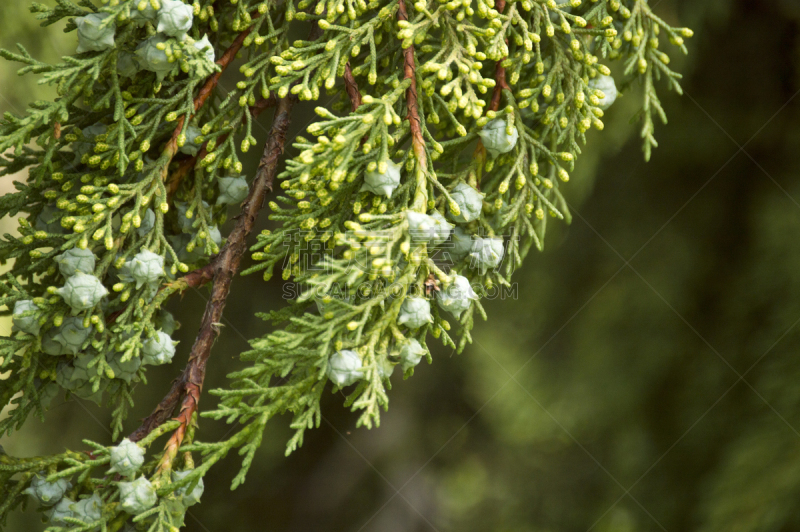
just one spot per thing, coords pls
(95, 33)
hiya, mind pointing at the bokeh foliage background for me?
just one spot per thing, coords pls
(645, 377)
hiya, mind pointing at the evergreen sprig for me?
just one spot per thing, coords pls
(418, 192)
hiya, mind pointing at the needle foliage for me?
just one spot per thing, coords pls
(415, 195)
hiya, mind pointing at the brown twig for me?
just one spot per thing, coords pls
(221, 269)
(500, 85)
(268, 165)
(193, 279)
(353, 93)
(200, 276)
(226, 265)
(351, 87)
(227, 57)
(162, 412)
(415, 125)
(409, 72)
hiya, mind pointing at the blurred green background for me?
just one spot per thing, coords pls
(647, 376)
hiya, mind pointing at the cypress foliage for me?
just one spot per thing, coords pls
(420, 190)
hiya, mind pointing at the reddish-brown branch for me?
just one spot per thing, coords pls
(162, 412)
(193, 279)
(409, 72)
(500, 85)
(268, 166)
(351, 87)
(221, 270)
(225, 266)
(200, 276)
(499, 70)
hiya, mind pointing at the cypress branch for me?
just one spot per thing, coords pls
(419, 191)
